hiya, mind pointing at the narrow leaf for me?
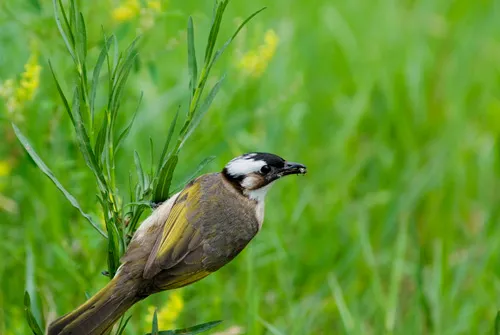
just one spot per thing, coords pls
(123, 135)
(61, 94)
(113, 246)
(192, 66)
(120, 82)
(33, 324)
(191, 330)
(96, 73)
(202, 111)
(84, 144)
(138, 168)
(165, 178)
(69, 45)
(214, 30)
(41, 165)
(82, 32)
(101, 140)
(221, 50)
(152, 156)
(162, 162)
(121, 329)
(154, 325)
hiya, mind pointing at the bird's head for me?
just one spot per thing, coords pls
(253, 173)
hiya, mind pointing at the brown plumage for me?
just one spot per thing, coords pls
(194, 233)
(171, 253)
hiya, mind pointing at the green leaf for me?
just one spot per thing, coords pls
(214, 29)
(72, 16)
(191, 330)
(202, 111)
(121, 327)
(84, 142)
(69, 45)
(44, 168)
(162, 162)
(61, 94)
(165, 178)
(96, 74)
(154, 325)
(123, 135)
(192, 66)
(82, 33)
(33, 324)
(101, 140)
(138, 168)
(113, 246)
(228, 42)
(121, 74)
(152, 156)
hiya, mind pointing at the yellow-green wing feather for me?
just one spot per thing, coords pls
(179, 237)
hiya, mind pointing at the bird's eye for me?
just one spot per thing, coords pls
(265, 169)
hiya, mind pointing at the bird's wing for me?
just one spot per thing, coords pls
(180, 235)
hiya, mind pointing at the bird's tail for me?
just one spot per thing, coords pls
(98, 314)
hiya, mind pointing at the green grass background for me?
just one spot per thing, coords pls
(394, 106)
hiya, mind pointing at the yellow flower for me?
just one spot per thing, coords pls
(16, 95)
(168, 314)
(154, 4)
(4, 168)
(30, 79)
(126, 12)
(255, 62)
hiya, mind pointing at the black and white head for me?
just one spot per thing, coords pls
(254, 173)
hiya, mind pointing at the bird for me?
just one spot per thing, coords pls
(187, 237)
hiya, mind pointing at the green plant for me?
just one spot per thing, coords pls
(99, 140)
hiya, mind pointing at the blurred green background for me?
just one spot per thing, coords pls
(394, 106)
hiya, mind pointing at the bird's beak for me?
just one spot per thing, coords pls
(293, 168)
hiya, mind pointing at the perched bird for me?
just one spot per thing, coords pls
(189, 236)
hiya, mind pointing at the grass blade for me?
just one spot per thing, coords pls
(123, 135)
(214, 29)
(84, 143)
(121, 328)
(113, 247)
(101, 140)
(61, 94)
(82, 31)
(338, 296)
(69, 45)
(167, 141)
(192, 66)
(33, 324)
(140, 172)
(202, 111)
(96, 73)
(396, 275)
(191, 330)
(228, 42)
(165, 178)
(154, 325)
(44, 168)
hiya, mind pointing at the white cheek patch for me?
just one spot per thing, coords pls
(244, 166)
(250, 182)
